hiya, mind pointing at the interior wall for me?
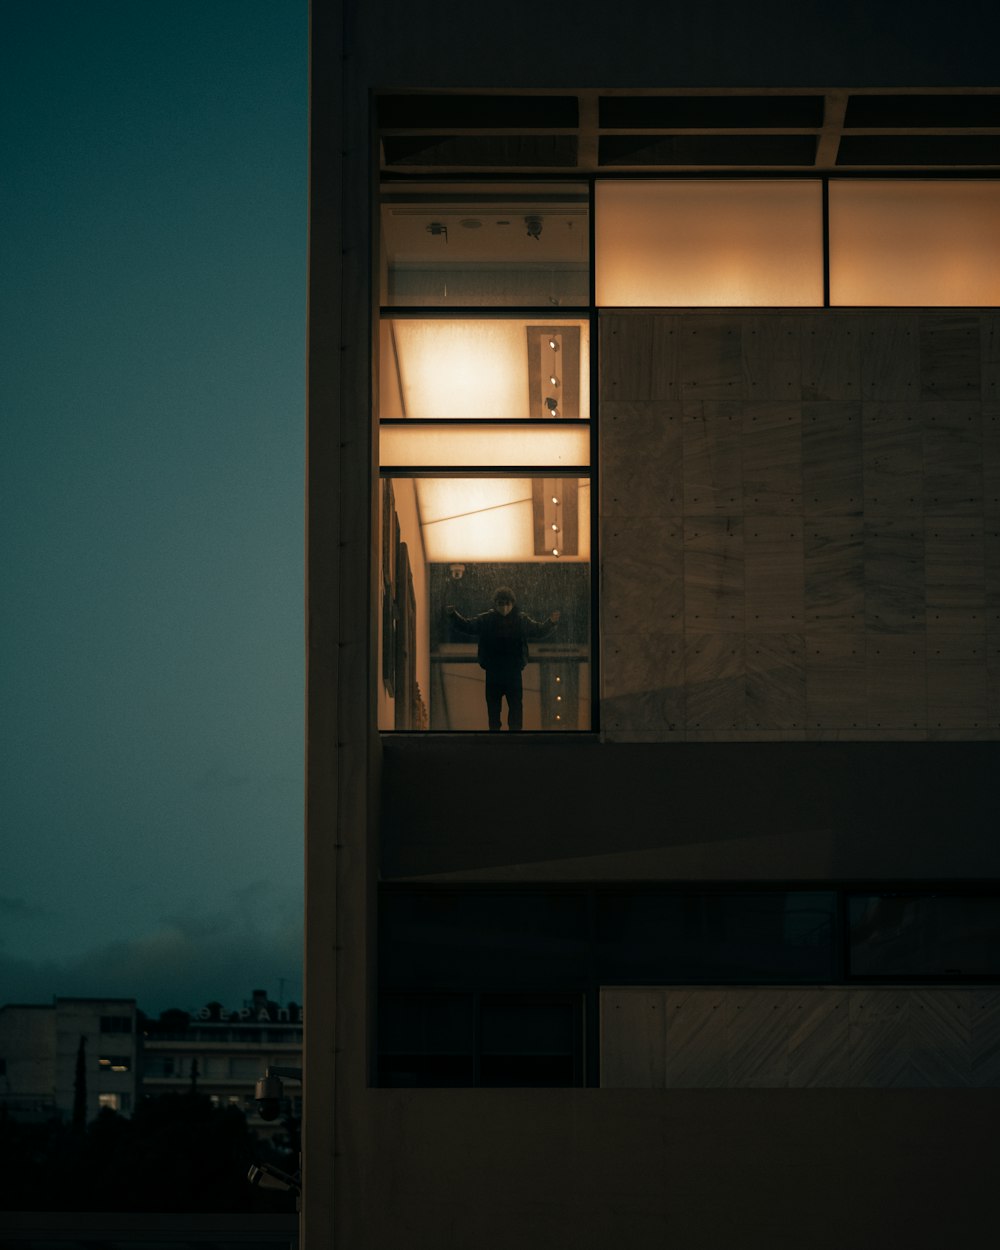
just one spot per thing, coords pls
(800, 525)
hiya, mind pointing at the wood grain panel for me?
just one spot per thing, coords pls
(641, 459)
(758, 1024)
(984, 1037)
(896, 681)
(772, 367)
(711, 358)
(893, 459)
(831, 357)
(834, 578)
(991, 459)
(949, 356)
(713, 574)
(715, 681)
(878, 1038)
(940, 1038)
(772, 458)
(774, 574)
(989, 339)
(890, 357)
(953, 459)
(832, 462)
(894, 575)
(955, 575)
(818, 1030)
(642, 573)
(639, 357)
(697, 1043)
(836, 681)
(633, 1038)
(644, 689)
(713, 458)
(776, 681)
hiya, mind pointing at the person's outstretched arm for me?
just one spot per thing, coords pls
(541, 629)
(462, 623)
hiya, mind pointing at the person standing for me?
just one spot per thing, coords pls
(503, 632)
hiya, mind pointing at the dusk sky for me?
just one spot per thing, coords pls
(152, 320)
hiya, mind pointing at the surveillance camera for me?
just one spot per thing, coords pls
(267, 1176)
(457, 572)
(533, 227)
(269, 1091)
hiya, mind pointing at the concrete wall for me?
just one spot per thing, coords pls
(698, 1169)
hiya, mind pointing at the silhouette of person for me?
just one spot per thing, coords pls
(503, 634)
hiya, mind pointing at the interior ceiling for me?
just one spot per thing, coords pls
(591, 131)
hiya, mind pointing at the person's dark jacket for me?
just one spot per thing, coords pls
(503, 640)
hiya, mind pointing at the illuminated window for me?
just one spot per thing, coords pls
(469, 246)
(111, 1101)
(695, 243)
(484, 369)
(115, 1063)
(914, 243)
(449, 543)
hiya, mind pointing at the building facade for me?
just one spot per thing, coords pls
(39, 1050)
(639, 315)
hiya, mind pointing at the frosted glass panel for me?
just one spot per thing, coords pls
(696, 244)
(914, 243)
(486, 446)
(485, 369)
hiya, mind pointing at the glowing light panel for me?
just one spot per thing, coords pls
(411, 446)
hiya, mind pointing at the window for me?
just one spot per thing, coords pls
(484, 404)
(932, 936)
(914, 243)
(115, 1063)
(111, 1101)
(116, 1024)
(699, 243)
(481, 1039)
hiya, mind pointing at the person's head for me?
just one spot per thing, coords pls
(504, 601)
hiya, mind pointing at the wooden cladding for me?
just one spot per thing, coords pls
(800, 525)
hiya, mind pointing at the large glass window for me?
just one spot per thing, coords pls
(695, 243)
(480, 246)
(914, 243)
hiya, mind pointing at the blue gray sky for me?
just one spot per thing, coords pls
(152, 316)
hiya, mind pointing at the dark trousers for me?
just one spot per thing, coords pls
(503, 681)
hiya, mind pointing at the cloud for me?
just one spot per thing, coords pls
(186, 961)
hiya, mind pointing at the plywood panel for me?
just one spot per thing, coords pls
(713, 574)
(894, 575)
(896, 681)
(955, 575)
(818, 1054)
(832, 464)
(991, 459)
(642, 566)
(697, 1043)
(711, 358)
(953, 459)
(772, 367)
(639, 357)
(836, 681)
(643, 685)
(759, 1024)
(989, 338)
(893, 459)
(772, 458)
(831, 357)
(633, 1038)
(774, 574)
(890, 359)
(878, 1038)
(949, 356)
(715, 681)
(776, 681)
(940, 1038)
(834, 580)
(713, 458)
(984, 1037)
(641, 459)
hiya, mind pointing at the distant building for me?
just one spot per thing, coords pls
(39, 1044)
(223, 1053)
